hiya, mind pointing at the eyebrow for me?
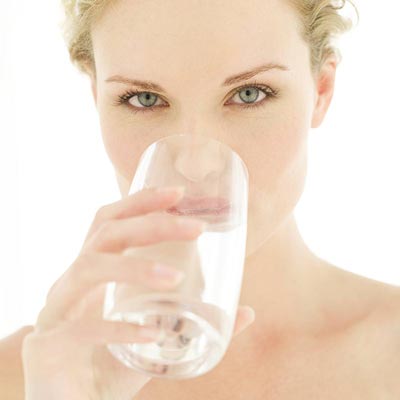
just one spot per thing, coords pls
(147, 85)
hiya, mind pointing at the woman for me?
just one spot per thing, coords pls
(319, 331)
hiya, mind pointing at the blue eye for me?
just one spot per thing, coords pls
(248, 94)
(146, 100)
(251, 93)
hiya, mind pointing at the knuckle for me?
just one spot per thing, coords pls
(51, 290)
(106, 227)
(101, 213)
(81, 268)
(41, 316)
(104, 231)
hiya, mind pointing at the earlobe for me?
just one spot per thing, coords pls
(324, 91)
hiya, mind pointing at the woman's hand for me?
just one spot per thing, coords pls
(65, 356)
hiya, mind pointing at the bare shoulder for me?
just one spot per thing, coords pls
(375, 338)
(361, 294)
(380, 340)
(377, 301)
(387, 315)
(370, 305)
(385, 302)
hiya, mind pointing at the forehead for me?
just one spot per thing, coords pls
(202, 35)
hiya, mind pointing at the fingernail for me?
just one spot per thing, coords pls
(167, 272)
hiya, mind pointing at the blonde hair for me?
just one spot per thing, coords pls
(321, 24)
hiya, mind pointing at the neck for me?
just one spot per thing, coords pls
(279, 280)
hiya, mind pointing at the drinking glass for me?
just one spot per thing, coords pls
(197, 316)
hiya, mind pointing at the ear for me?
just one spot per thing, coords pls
(324, 87)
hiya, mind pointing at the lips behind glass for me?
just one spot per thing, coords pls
(213, 209)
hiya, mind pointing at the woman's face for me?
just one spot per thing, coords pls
(190, 48)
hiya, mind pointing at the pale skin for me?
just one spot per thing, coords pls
(64, 355)
(319, 331)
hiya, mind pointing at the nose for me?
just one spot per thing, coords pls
(200, 159)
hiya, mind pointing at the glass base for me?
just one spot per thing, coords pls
(190, 345)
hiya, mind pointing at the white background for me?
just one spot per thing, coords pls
(55, 174)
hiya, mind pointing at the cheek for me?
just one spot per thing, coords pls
(277, 175)
(123, 143)
(123, 157)
(273, 148)
(278, 148)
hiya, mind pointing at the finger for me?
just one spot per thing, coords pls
(84, 332)
(91, 269)
(244, 318)
(141, 202)
(117, 235)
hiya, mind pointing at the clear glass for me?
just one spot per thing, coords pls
(198, 315)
